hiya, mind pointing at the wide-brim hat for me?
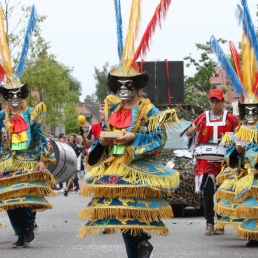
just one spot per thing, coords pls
(12, 85)
(125, 72)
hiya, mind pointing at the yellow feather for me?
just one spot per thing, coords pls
(246, 64)
(4, 50)
(253, 67)
(132, 33)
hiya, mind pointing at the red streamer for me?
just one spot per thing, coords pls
(160, 12)
(236, 58)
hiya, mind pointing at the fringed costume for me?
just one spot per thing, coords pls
(239, 191)
(127, 180)
(24, 149)
(23, 144)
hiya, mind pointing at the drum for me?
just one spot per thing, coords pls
(66, 161)
(210, 152)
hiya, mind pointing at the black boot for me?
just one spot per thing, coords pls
(20, 243)
(144, 251)
(252, 243)
(29, 235)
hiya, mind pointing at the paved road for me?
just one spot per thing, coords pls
(56, 237)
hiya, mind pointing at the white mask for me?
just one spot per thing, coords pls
(125, 89)
(251, 113)
(14, 97)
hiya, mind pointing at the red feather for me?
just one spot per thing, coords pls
(3, 75)
(160, 12)
(255, 87)
(236, 58)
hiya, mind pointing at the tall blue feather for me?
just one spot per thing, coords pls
(244, 17)
(26, 43)
(119, 28)
(226, 65)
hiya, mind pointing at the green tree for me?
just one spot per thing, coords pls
(198, 86)
(101, 82)
(71, 118)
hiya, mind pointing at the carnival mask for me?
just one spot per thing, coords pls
(125, 89)
(14, 97)
(251, 113)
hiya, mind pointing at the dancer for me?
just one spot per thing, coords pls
(24, 179)
(124, 174)
(238, 193)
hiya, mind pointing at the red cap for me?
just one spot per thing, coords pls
(216, 93)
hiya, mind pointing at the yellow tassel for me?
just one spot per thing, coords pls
(247, 212)
(35, 206)
(231, 225)
(133, 191)
(46, 177)
(247, 134)
(225, 211)
(168, 116)
(27, 191)
(6, 162)
(135, 176)
(244, 184)
(38, 112)
(147, 215)
(247, 234)
(227, 139)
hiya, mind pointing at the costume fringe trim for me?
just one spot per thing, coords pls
(38, 113)
(244, 184)
(247, 234)
(131, 175)
(22, 165)
(247, 212)
(225, 195)
(253, 192)
(225, 211)
(6, 163)
(150, 230)
(144, 214)
(229, 224)
(27, 191)
(247, 134)
(222, 177)
(168, 116)
(227, 140)
(46, 177)
(115, 191)
(39, 206)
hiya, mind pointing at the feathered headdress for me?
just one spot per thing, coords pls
(245, 79)
(129, 56)
(10, 80)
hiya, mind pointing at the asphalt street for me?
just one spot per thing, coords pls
(56, 237)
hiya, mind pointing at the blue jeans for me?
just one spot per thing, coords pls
(21, 219)
(131, 243)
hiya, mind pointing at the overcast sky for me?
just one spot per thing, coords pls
(83, 32)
